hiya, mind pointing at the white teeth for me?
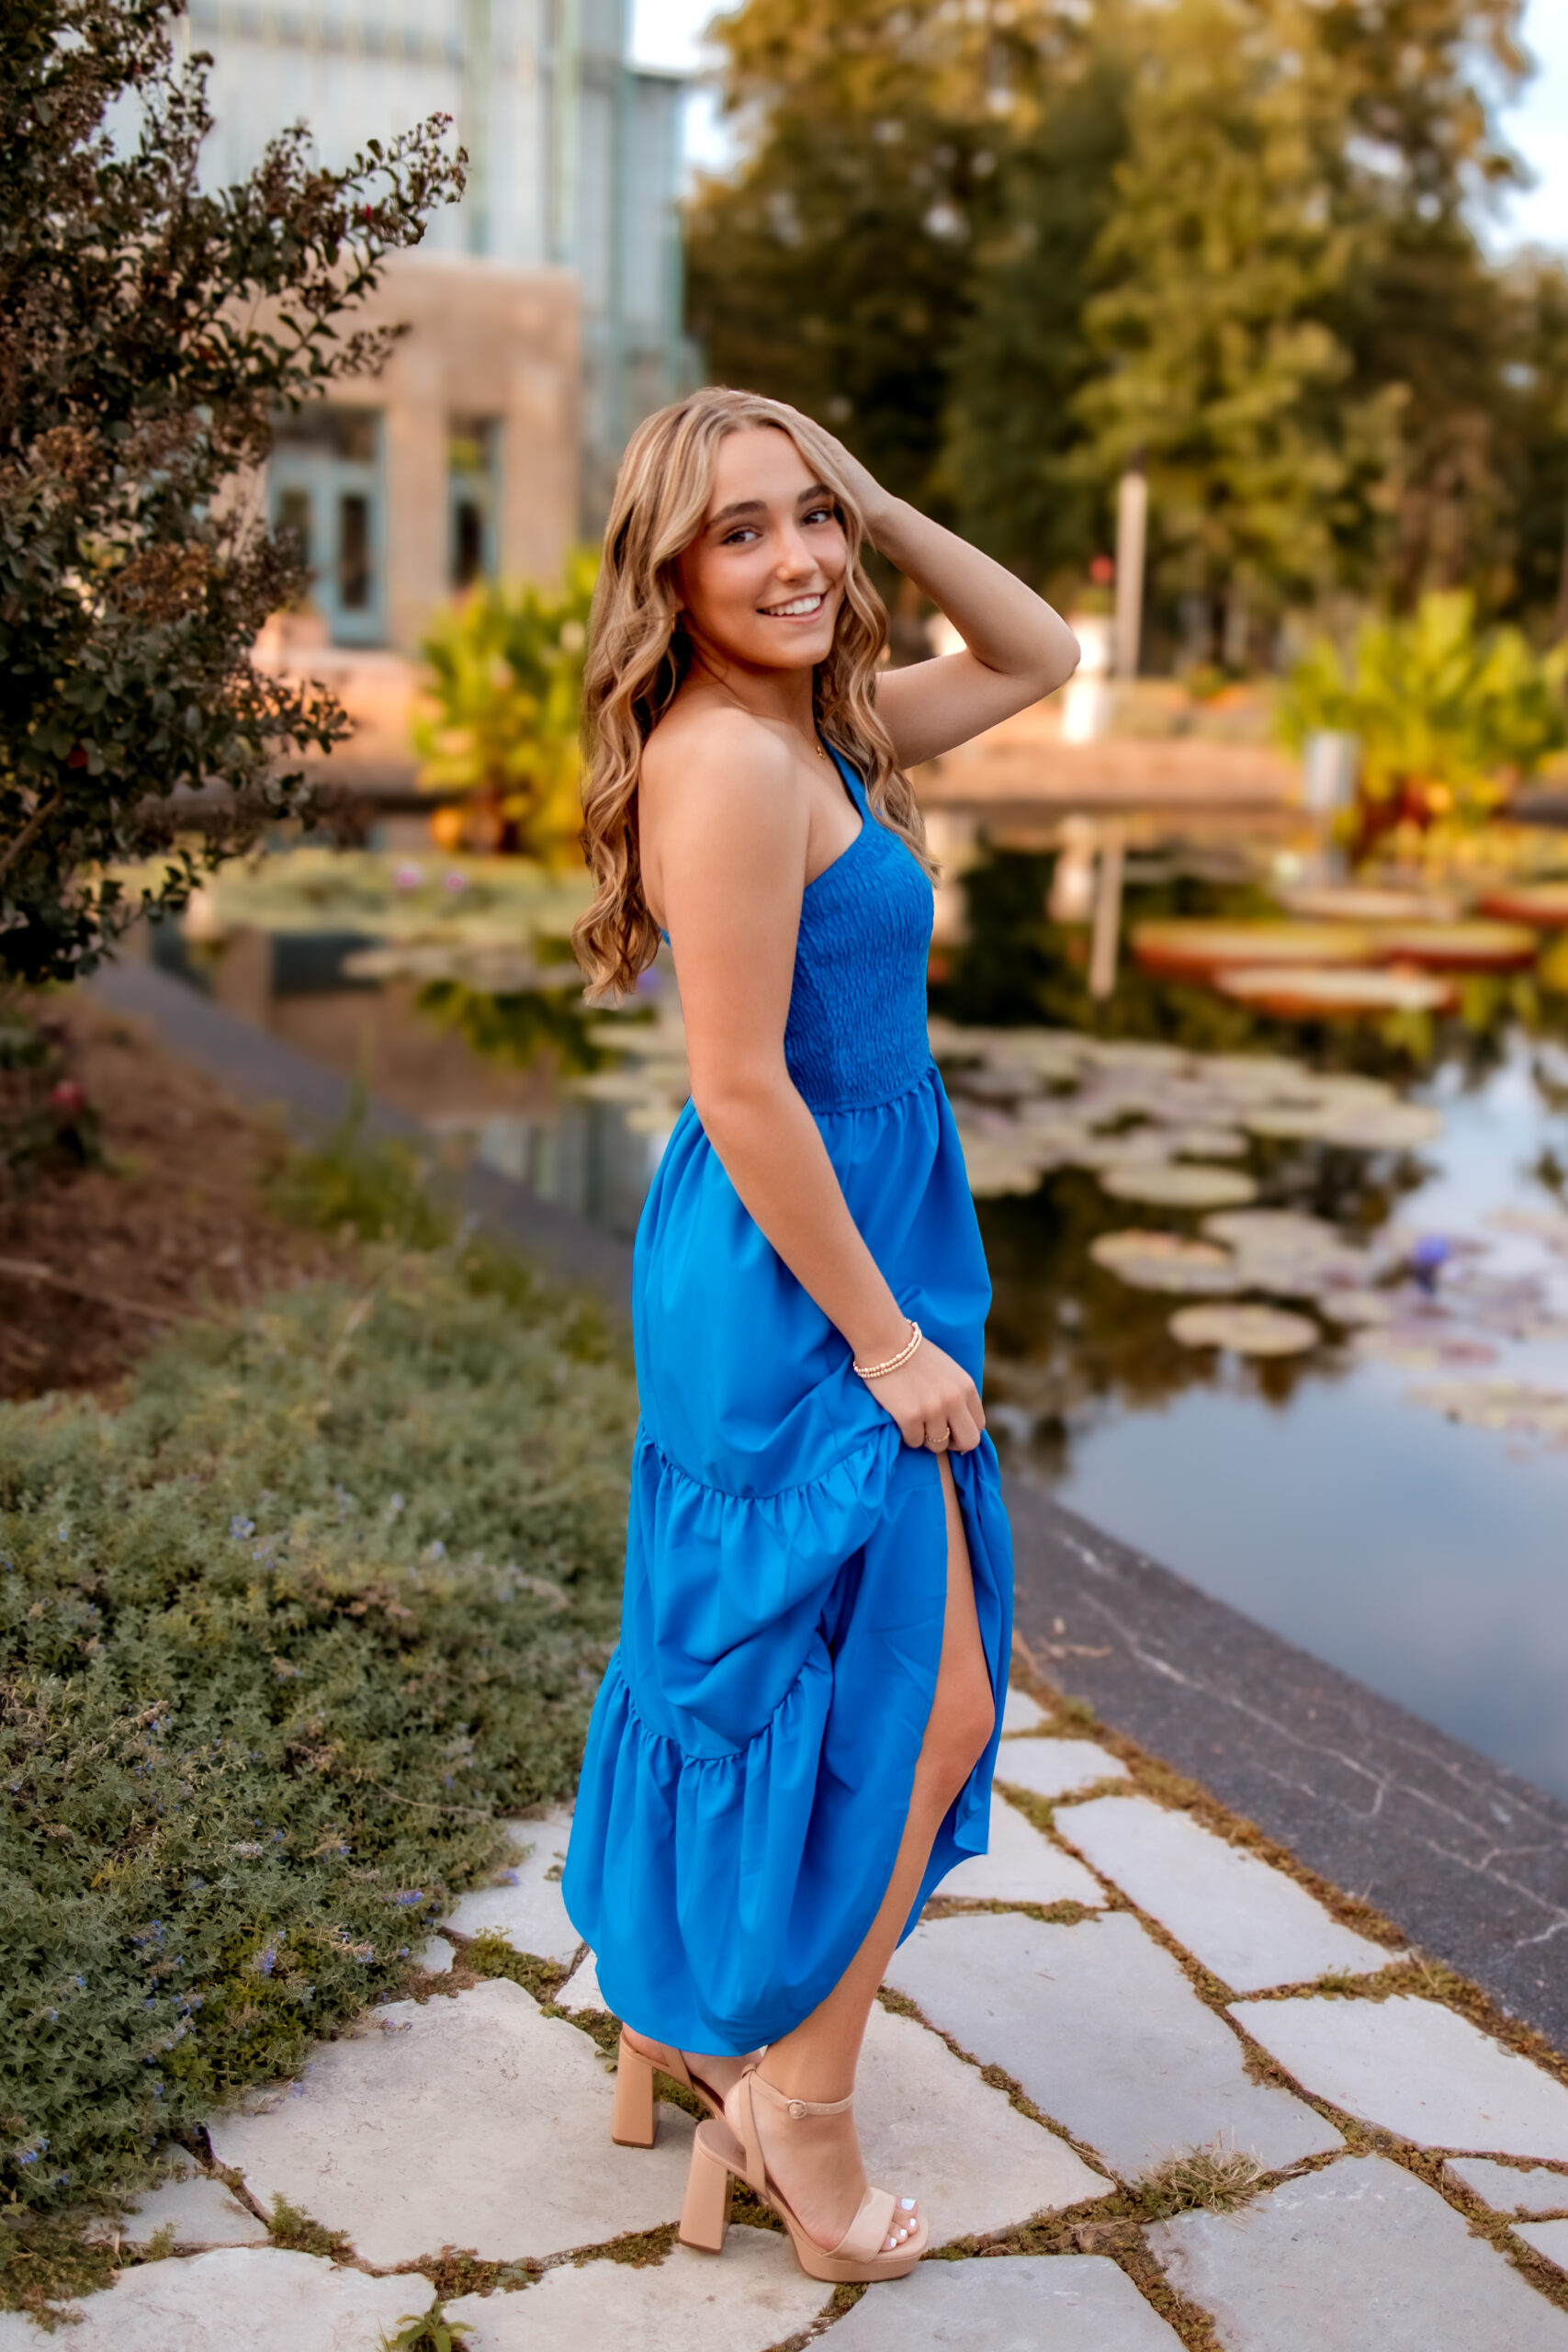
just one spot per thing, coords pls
(801, 604)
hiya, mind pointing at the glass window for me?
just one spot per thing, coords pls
(324, 485)
(472, 459)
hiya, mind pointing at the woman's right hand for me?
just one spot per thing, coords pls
(928, 1396)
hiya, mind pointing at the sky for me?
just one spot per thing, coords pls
(668, 32)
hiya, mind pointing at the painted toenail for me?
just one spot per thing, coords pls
(906, 2204)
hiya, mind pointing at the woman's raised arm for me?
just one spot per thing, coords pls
(1016, 648)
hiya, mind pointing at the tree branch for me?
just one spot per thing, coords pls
(30, 830)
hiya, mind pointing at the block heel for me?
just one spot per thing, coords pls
(861, 2256)
(632, 2124)
(705, 2215)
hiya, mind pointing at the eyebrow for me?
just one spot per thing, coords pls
(758, 506)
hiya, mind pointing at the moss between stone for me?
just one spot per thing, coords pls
(459, 2270)
(1051, 1915)
(296, 2232)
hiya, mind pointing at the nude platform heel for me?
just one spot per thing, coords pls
(633, 2125)
(733, 2150)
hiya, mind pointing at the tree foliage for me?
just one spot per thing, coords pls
(834, 271)
(149, 331)
(1008, 248)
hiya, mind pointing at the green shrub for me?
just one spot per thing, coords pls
(1448, 714)
(283, 1637)
(506, 681)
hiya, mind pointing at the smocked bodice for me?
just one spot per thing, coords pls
(856, 1034)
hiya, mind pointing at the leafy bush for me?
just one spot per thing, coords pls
(1449, 716)
(150, 330)
(506, 669)
(283, 1637)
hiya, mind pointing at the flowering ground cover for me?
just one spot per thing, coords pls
(286, 1628)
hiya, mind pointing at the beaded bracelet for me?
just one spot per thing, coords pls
(877, 1370)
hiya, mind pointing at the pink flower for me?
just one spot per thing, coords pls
(68, 1098)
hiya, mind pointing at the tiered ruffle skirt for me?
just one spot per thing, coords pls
(752, 1748)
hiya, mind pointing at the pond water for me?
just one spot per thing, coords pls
(1393, 1497)
(1319, 1494)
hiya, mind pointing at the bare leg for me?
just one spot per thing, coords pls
(817, 2159)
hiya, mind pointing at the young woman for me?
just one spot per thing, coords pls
(795, 1738)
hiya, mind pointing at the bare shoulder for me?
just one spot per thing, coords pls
(723, 773)
(708, 747)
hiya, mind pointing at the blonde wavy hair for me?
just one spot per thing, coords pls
(638, 654)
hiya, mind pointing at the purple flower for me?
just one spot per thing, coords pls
(408, 878)
(454, 881)
(239, 1527)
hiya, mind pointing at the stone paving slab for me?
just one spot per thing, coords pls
(1247, 1922)
(932, 2128)
(581, 1990)
(470, 2121)
(529, 1912)
(1470, 1859)
(753, 2296)
(1549, 2238)
(1074, 2302)
(1508, 2190)
(1021, 1712)
(1023, 1866)
(1104, 2032)
(201, 2210)
(240, 2299)
(1056, 1768)
(1417, 2069)
(1361, 2253)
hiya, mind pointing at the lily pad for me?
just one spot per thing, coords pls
(1251, 1230)
(1245, 1330)
(1190, 1185)
(1392, 1126)
(1474, 947)
(1360, 1306)
(1246, 1074)
(1284, 1122)
(995, 1167)
(1519, 1408)
(1544, 905)
(1196, 948)
(1168, 1261)
(1207, 1142)
(1410, 1348)
(1308, 992)
(628, 1087)
(1362, 903)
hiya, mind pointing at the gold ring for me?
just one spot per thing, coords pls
(940, 1445)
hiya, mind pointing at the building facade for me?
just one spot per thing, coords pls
(545, 310)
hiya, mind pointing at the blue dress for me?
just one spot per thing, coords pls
(754, 1743)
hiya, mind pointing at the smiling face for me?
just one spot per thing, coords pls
(762, 582)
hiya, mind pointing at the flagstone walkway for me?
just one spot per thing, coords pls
(1112, 2017)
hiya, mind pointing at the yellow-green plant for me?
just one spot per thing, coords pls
(1449, 716)
(506, 679)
